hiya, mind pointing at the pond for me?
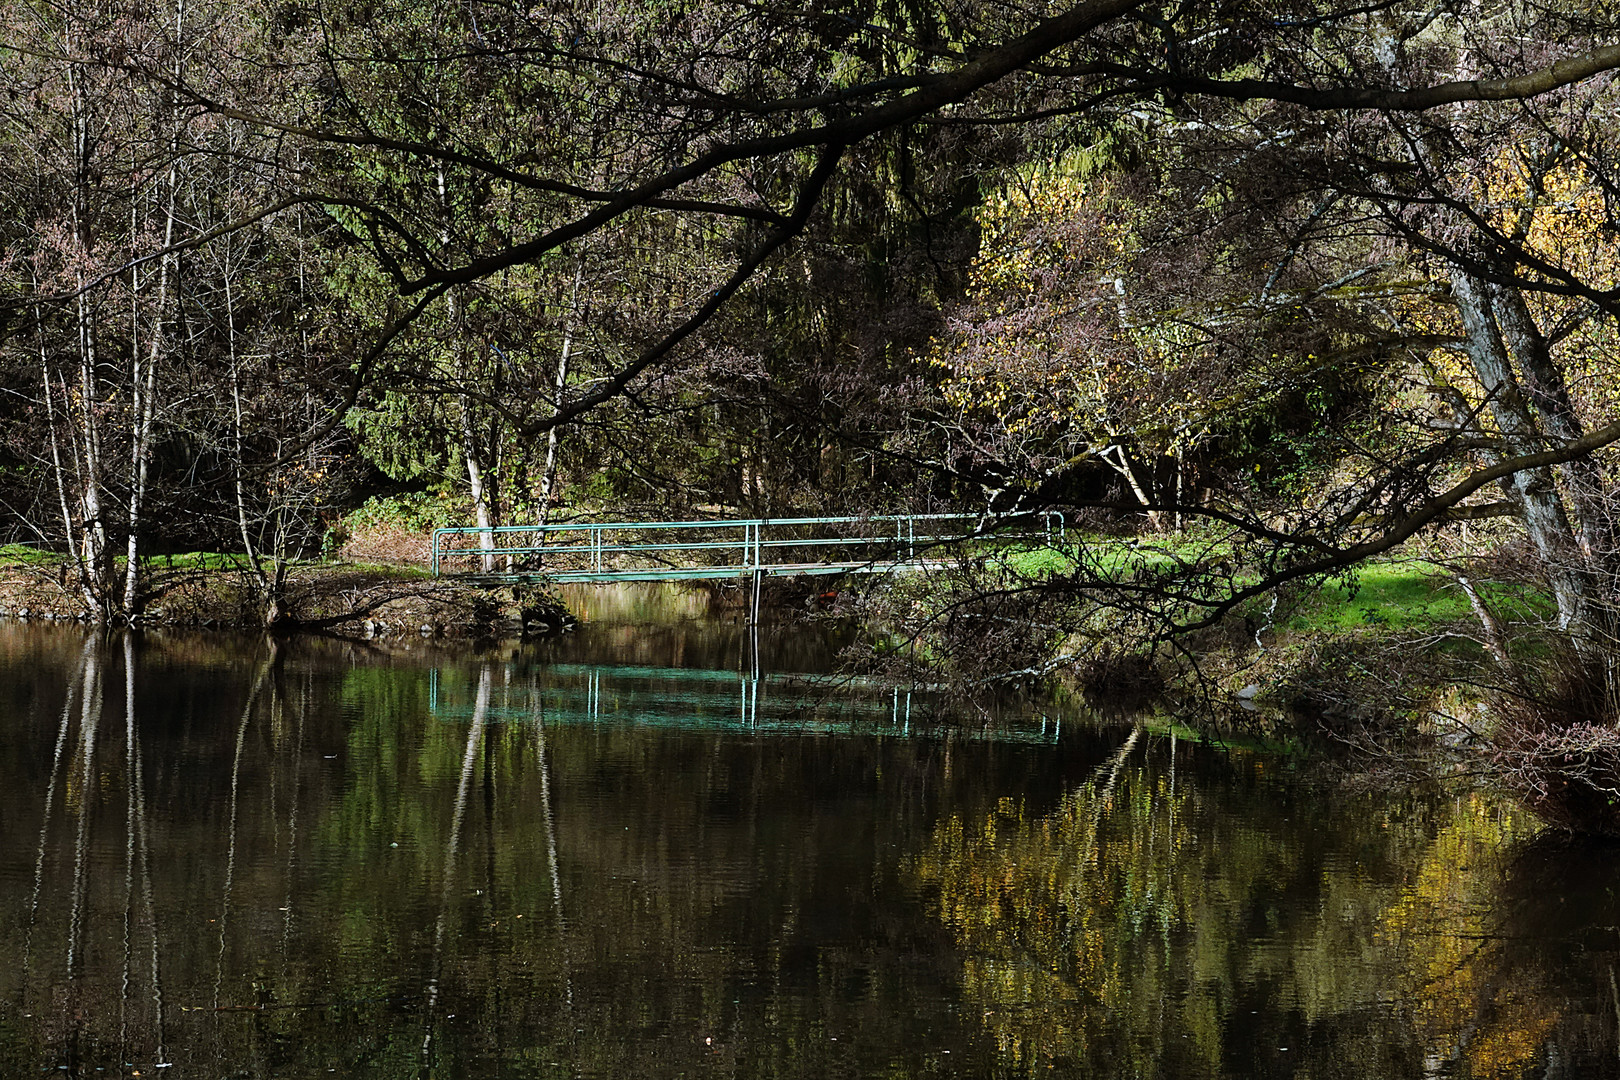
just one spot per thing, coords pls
(650, 850)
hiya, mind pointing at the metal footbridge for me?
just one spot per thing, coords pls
(711, 550)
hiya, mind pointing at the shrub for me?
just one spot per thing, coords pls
(397, 528)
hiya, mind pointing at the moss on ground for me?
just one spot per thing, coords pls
(1406, 595)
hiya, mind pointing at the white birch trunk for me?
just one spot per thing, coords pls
(475, 480)
(143, 403)
(58, 469)
(143, 374)
(1123, 465)
(269, 594)
(94, 568)
(1545, 520)
(548, 475)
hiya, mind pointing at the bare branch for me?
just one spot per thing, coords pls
(1517, 88)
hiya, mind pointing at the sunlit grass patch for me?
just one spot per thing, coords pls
(1039, 562)
(1408, 594)
(196, 560)
(29, 553)
(1397, 595)
(1400, 594)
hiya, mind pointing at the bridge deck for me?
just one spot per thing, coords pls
(715, 550)
(696, 573)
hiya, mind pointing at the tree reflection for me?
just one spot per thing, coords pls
(79, 1004)
(1143, 928)
(321, 872)
(1446, 951)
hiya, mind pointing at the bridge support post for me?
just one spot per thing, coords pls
(753, 602)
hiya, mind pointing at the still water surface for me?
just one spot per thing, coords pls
(624, 855)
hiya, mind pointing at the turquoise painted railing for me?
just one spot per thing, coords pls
(686, 550)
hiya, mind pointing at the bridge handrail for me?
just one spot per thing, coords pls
(751, 542)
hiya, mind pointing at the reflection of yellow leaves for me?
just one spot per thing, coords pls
(1052, 912)
(1440, 928)
(1077, 928)
(1514, 1039)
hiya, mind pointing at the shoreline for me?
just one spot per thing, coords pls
(1324, 676)
(343, 599)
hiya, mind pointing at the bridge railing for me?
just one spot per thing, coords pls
(604, 550)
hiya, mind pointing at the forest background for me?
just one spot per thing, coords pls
(1252, 292)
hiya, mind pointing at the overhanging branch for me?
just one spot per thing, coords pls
(1440, 508)
(1565, 72)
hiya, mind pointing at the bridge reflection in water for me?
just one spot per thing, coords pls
(703, 699)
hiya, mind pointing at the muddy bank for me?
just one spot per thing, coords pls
(346, 599)
(378, 600)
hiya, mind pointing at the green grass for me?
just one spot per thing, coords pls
(1107, 554)
(1411, 595)
(188, 560)
(1401, 596)
(195, 560)
(182, 560)
(1036, 562)
(29, 554)
(214, 560)
(1406, 594)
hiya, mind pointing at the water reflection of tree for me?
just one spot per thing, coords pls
(752, 893)
(691, 916)
(1209, 924)
(1446, 949)
(60, 986)
(1558, 917)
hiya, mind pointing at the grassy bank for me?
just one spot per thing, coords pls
(1395, 640)
(1320, 650)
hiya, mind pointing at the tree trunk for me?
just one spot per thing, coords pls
(269, 587)
(1122, 464)
(1545, 519)
(47, 382)
(143, 399)
(475, 480)
(548, 475)
(1584, 480)
(84, 420)
(95, 569)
